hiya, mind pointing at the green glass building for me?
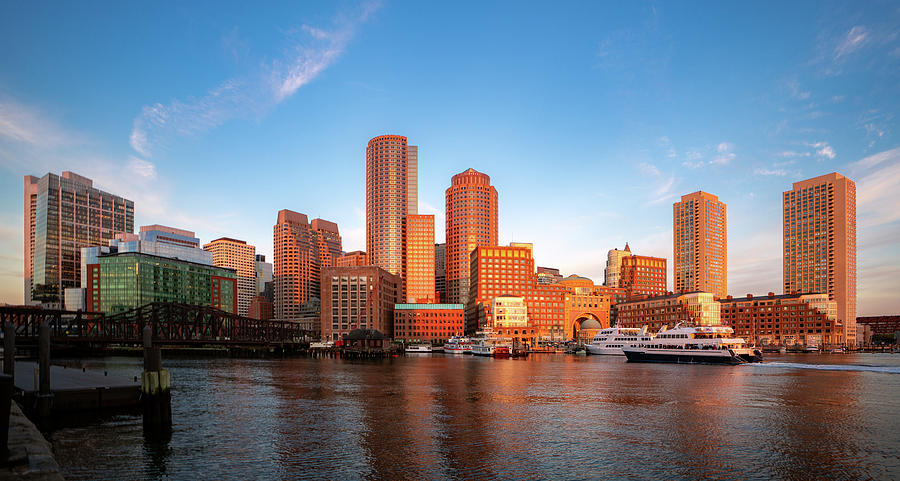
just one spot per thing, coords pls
(129, 280)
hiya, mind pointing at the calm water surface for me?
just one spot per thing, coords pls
(552, 416)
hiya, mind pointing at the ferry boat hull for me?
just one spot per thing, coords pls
(679, 356)
(604, 351)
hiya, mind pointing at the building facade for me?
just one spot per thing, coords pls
(391, 195)
(264, 277)
(440, 277)
(418, 259)
(64, 213)
(588, 307)
(785, 320)
(613, 265)
(352, 259)
(471, 216)
(261, 308)
(819, 218)
(358, 298)
(700, 237)
(433, 323)
(700, 308)
(643, 276)
(241, 257)
(128, 280)
(509, 312)
(302, 249)
(548, 275)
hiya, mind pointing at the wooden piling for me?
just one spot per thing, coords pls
(45, 398)
(155, 390)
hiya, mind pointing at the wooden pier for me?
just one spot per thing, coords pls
(75, 389)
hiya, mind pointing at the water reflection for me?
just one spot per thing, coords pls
(551, 416)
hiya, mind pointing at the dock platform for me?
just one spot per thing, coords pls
(76, 390)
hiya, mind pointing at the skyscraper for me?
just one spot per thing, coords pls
(418, 259)
(471, 207)
(440, 277)
(820, 243)
(240, 256)
(613, 264)
(302, 249)
(391, 190)
(63, 214)
(700, 244)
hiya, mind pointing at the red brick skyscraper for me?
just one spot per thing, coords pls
(418, 259)
(820, 243)
(471, 222)
(302, 249)
(391, 177)
(700, 244)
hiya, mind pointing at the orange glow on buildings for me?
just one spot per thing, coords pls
(700, 244)
(358, 298)
(418, 259)
(428, 322)
(471, 207)
(643, 275)
(240, 256)
(819, 218)
(301, 250)
(350, 259)
(391, 176)
(786, 320)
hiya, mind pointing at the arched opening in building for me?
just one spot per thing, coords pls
(585, 327)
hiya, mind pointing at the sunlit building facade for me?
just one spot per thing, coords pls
(700, 244)
(428, 322)
(302, 249)
(643, 275)
(64, 213)
(440, 271)
(783, 320)
(361, 297)
(241, 257)
(819, 217)
(613, 265)
(352, 259)
(700, 308)
(471, 208)
(391, 195)
(418, 259)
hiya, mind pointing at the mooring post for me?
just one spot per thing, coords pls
(6, 390)
(155, 390)
(44, 395)
(9, 351)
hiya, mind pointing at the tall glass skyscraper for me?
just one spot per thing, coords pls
(64, 213)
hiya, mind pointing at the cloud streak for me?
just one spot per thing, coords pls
(310, 52)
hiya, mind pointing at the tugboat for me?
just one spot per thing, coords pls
(690, 344)
(610, 341)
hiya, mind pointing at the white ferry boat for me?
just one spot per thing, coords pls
(487, 343)
(418, 348)
(610, 341)
(686, 343)
(458, 345)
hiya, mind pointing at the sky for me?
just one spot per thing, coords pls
(591, 118)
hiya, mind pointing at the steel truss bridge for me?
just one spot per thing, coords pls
(171, 324)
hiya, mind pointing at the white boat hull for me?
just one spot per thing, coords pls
(604, 351)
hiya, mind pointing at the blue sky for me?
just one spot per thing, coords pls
(591, 118)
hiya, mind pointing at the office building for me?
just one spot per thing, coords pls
(548, 275)
(418, 259)
(819, 217)
(433, 323)
(700, 239)
(440, 277)
(643, 276)
(264, 277)
(261, 308)
(613, 265)
(391, 190)
(471, 208)
(358, 298)
(302, 249)
(64, 213)
(240, 256)
(509, 312)
(785, 320)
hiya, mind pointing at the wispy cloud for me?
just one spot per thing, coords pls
(648, 169)
(26, 125)
(311, 51)
(764, 171)
(724, 154)
(855, 39)
(796, 92)
(823, 149)
(878, 187)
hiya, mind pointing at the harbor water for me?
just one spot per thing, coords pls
(804, 416)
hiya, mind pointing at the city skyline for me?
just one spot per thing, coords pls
(570, 180)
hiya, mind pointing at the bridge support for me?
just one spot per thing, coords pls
(155, 391)
(45, 398)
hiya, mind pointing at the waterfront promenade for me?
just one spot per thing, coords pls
(546, 417)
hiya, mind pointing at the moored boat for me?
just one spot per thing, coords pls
(458, 345)
(690, 344)
(418, 348)
(610, 341)
(488, 343)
